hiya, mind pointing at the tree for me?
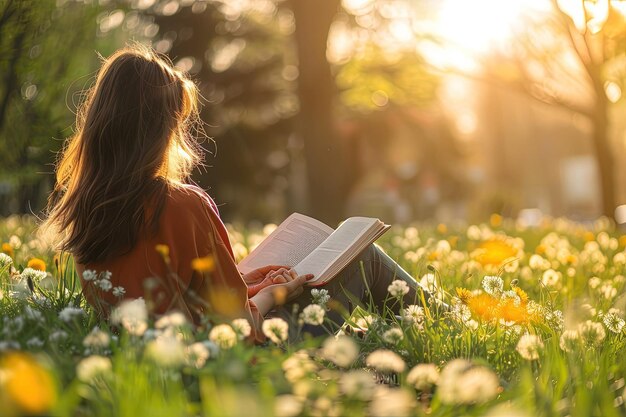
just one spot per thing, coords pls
(39, 61)
(594, 35)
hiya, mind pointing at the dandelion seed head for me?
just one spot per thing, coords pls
(342, 351)
(393, 336)
(385, 361)
(275, 329)
(423, 376)
(224, 336)
(398, 288)
(132, 315)
(357, 384)
(196, 355)
(313, 314)
(591, 333)
(166, 351)
(93, 367)
(241, 327)
(569, 340)
(493, 285)
(69, 314)
(529, 346)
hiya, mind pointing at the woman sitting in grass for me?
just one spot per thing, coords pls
(123, 203)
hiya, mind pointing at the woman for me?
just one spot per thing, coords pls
(121, 204)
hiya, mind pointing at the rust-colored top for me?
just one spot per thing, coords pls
(191, 228)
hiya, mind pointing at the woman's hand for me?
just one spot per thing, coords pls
(257, 275)
(280, 293)
(265, 276)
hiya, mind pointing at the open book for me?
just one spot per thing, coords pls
(311, 247)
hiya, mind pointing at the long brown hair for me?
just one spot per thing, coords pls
(133, 141)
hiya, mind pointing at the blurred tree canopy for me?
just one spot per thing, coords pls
(271, 96)
(46, 51)
(574, 58)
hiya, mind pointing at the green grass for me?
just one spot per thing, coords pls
(572, 275)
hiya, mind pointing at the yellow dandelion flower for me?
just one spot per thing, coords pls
(27, 387)
(483, 306)
(589, 236)
(494, 252)
(571, 259)
(622, 241)
(442, 228)
(495, 220)
(508, 311)
(37, 264)
(464, 294)
(163, 250)
(8, 249)
(453, 240)
(540, 249)
(433, 256)
(521, 294)
(204, 264)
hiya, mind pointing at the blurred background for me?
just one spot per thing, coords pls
(406, 110)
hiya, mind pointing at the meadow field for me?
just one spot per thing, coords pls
(535, 328)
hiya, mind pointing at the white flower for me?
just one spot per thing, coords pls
(92, 367)
(423, 376)
(197, 354)
(461, 382)
(398, 288)
(5, 260)
(493, 285)
(413, 314)
(393, 336)
(569, 340)
(313, 314)
(104, 284)
(106, 275)
(34, 343)
(385, 361)
(172, 319)
(288, 405)
(298, 366)
(358, 384)
(551, 278)
(276, 329)
(364, 322)
(320, 296)
(32, 314)
(89, 275)
(529, 346)
(97, 339)
(592, 333)
(118, 292)
(342, 350)
(241, 327)
(166, 351)
(132, 315)
(387, 402)
(69, 314)
(8, 345)
(57, 336)
(224, 336)
(613, 322)
(461, 312)
(34, 274)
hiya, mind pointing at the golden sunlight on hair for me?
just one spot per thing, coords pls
(134, 137)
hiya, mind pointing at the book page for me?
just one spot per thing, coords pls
(338, 243)
(290, 243)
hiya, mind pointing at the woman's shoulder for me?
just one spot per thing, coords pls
(189, 196)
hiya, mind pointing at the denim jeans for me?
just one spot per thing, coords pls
(364, 281)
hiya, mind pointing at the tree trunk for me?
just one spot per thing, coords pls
(323, 152)
(604, 157)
